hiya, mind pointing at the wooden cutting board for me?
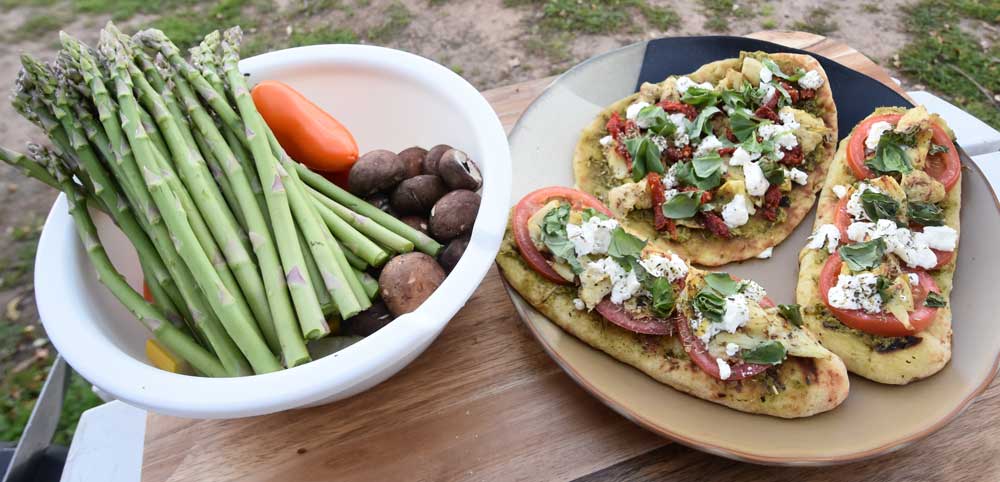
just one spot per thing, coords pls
(485, 402)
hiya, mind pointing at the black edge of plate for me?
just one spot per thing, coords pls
(855, 94)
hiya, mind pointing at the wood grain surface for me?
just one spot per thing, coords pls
(485, 402)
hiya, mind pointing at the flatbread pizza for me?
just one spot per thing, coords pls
(719, 165)
(876, 275)
(706, 334)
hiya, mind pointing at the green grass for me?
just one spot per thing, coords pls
(950, 60)
(126, 9)
(39, 24)
(596, 17)
(187, 26)
(818, 20)
(719, 14)
(769, 24)
(396, 18)
(871, 8)
(16, 267)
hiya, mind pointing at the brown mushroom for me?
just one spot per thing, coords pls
(417, 195)
(377, 171)
(380, 201)
(409, 279)
(433, 156)
(453, 252)
(458, 171)
(454, 214)
(413, 160)
(416, 222)
(367, 322)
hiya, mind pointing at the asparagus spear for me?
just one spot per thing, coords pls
(357, 205)
(149, 315)
(127, 171)
(257, 227)
(239, 326)
(29, 168)
(307, 307)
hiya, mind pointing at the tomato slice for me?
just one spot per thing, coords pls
(885, 324)
(696, 349)
(946, 167)
(618, 315)
(856, 145)
(529, 205)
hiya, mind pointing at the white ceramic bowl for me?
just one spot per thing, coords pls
(388, 99)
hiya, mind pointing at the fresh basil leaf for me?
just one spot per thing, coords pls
(735, 99)
(882, 285)
(710, 305)
(700, 97)
(722, 283)
(651, 115)
(935, 300)
(700, 123)
(645, 156)
(936, 149)
(683, 205)
(786, 98)
(879, 206)
(743, 124)
(862, 256)
(588, 213)
(665, 128)
(773, 172)
(555, 238)
(925, 213)
(889, 157)
(707, 165)
(770, 353)
(792, 313)
(664, 300)
(687, 176)
(624, 244)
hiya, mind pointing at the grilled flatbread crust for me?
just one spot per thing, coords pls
(593, 176)
(799, 387)
(857, 349)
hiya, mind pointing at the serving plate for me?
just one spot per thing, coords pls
(388, 99)
(875, 419)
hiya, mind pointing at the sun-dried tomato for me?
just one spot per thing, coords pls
(793, 92)
(765, 112)
(620, 129)
(772, 103)
(726, 151)
(706, 196)
(715, 224)
(730, 135)
(656, 191)
(806, 94)
(793, 156)
(688, 110)
(772, 198)
(679, 153)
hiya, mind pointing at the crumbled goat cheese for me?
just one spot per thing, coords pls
(787, 117)
(684, 83)
(741, 157)
(756, 183)
(680, 135)
(606, 141)
(769, 93)
(826, 235)
(578, 304)
(811, 80)
(752, 290)
(732, 349)
(782, 135)
(707, 146)
(591, 236)
(633, 110)
(736, 314)
(625, 289)
(660, 142)
(673, 267)
(914, 279)
(735, 213)
(941, 238)
(856, 292)
(766, 75)
(724, 370)
(875, 133)
(623, 284)
(670, 177)
(854, 206)
(912, 249)
(798, 177)
(766, 253)
(840, 191)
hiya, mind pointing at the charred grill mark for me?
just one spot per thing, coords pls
(898, 343)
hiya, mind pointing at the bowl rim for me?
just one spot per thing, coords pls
(99, 360)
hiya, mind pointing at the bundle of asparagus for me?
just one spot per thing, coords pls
(248, 254)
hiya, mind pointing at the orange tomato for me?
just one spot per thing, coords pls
(308, 133)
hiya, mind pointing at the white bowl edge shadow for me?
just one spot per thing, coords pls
(100, 340)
